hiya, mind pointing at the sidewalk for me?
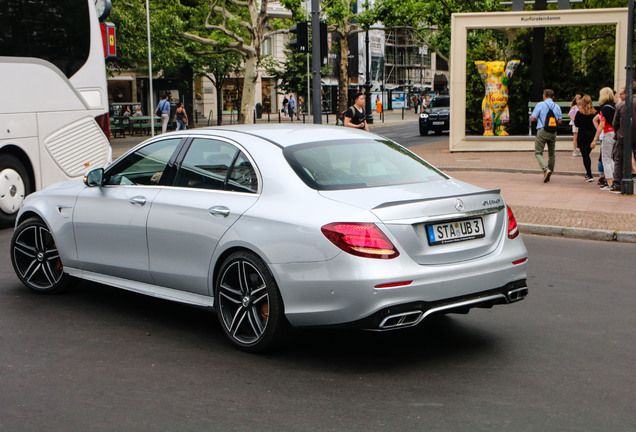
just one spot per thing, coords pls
(566, 206)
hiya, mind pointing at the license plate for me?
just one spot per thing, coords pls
(451, 232)
(438, 123)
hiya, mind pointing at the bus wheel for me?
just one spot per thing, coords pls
(14, 186)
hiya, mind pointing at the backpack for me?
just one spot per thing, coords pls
(340, 120)
(550, 124)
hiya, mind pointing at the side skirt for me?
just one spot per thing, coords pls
(144, 288)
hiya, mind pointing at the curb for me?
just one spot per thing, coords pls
(579, 233)
(512, 170)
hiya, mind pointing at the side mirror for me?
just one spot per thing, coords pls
(94, 178)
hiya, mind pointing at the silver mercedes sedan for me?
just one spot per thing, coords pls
(277, 227)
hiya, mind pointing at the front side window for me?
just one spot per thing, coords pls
(145, 166)
(357, 164)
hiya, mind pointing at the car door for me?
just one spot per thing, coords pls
(215, 184)
(110, 221)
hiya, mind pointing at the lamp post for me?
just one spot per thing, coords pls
(367, 84)
(627, 183)
(152, 104)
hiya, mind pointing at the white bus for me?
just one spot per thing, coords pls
(54, 123)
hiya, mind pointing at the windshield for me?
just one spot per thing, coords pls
(440, 102)
(357, 164)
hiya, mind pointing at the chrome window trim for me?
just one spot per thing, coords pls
(242, 149)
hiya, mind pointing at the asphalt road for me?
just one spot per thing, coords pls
(101, 359)
(408, 134)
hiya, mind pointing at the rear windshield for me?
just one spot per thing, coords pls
(357, 164)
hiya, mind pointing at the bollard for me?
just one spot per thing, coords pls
(402, 113)
(278, 116)
(303, 118)
(254, 113)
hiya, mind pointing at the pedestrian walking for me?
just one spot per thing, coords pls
(290, 106)
(285, 102)
(586, 142)
(574, 108)
(378, 105)
(548, 115)
(182, 117)
(163, 110)
(606, 130)
(619, 128)
(355, 117)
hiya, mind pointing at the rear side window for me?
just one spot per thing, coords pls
(357, 164)
(217, 165)
(55, 31)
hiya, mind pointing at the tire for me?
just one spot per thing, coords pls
(35, 258)
(423, 131)
(14, 186)
(248, 303)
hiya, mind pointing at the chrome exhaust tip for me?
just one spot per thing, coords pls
(404, 319)
(517, 294)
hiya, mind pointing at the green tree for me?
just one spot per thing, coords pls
(238, 26)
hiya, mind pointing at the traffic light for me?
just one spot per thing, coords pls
(324, 47)
(301, 43)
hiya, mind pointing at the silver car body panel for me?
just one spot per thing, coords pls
(178, 242)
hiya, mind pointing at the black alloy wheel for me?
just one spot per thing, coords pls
(248, 303)
(35, 258)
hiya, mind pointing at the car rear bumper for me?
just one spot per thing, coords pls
(341, 292)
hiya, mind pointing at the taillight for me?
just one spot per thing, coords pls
(104, 123)
(513, 229)
(360, 239)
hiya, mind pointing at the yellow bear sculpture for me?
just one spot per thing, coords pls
(494, 108)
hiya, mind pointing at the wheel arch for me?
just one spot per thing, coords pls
(18, 153)
(27, 215)
(225, 254)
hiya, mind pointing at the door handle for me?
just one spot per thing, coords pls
(219, 211)
(138, 200)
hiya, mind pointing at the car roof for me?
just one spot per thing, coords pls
(286, 135)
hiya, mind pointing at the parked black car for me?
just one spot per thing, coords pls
(436, 116)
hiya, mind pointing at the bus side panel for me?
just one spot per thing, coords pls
(72, 143)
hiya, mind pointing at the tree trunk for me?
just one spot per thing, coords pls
(249, 91)
(219, 101)
(343, 79)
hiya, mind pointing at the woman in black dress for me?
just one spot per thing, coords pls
(584, 120)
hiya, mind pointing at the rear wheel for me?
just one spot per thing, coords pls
(248, 304)
(35, 258)
(14, 186)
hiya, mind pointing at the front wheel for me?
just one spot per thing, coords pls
(14, 186)
(248, 303)
(423, 131)
(35, 258)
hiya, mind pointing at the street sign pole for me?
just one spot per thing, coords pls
(316, 60)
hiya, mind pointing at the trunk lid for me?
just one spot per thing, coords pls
(438, 222)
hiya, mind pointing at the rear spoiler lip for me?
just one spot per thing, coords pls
(397, 203)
